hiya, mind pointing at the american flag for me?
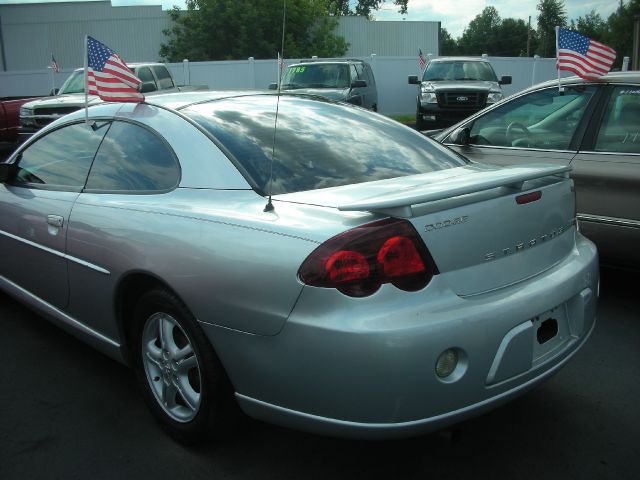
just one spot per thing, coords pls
(54, 65)
(421, 60)
(108, 76)
(581, 55)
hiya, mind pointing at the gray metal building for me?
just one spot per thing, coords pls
(389, 38)
(29, 33)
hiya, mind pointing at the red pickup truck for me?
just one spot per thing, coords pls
(10, 118)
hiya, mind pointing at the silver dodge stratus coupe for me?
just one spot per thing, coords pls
(322, 266)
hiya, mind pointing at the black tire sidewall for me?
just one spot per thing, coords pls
(203, 424)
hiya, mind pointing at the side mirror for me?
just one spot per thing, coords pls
(273, 86)
(413, 80)
(146, 87)
(358, 84)
(460, 136)
(53, 92)
(7, 172)
(505, 80)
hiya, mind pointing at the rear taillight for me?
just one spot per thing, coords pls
(358, 261)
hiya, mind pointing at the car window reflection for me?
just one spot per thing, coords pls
(317, 144)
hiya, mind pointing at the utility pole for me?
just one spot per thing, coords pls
(635, 59)
(529, 38)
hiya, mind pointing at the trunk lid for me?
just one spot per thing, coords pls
(479, 234)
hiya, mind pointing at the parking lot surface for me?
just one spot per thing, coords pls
(67, 412)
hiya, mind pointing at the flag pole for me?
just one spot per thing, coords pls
(558, 59)
(53, 82)
(86, 82)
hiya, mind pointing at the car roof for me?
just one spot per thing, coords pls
(133, 65)
(459, 59)
(181, 100)
(611, 77)
(328, 60)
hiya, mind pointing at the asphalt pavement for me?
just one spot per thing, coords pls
(68, 412)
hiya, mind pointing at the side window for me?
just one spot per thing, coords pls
(146, 76)
(133, 159)
(620, 127)
(164, 77)
(543, 119)
(62, 158)
(371, 79)
(360, 71)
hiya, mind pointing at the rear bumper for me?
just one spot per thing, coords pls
(366, 367)
(335, 427)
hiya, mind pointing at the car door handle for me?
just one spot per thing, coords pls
(55, 220)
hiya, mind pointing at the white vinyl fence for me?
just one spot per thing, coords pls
(395, 95)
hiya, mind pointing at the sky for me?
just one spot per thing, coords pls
(455, 15)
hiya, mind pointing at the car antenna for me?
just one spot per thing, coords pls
(269, 206)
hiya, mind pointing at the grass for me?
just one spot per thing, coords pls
(403, 118)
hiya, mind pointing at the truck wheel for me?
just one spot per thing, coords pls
(420, 124)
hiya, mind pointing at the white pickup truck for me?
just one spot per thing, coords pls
(34, 115)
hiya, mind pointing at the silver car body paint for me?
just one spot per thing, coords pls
(310, 357)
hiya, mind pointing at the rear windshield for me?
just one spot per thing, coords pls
(459, 71)
(318, 144)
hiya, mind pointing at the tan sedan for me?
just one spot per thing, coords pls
(592, 126)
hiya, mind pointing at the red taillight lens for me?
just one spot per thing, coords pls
(346, 266)
(398, 257)
(358, 261)
(528, 197)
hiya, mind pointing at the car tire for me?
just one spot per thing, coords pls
(420, 124)
(180, 375)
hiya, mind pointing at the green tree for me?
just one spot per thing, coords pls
(619, 32)
(237, 29)
(552, 14)
(591, 25)
(480, 36)
(511, 39)
(361, 7)
(488, 33)
(448, 45)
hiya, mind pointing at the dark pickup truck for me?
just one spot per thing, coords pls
(452, 88)
(9, 118)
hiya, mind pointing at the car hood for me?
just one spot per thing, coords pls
(463, 85)
(339, 94)
(68, 100)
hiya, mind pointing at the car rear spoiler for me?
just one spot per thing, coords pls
(479, 179)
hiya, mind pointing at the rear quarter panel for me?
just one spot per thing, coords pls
(231, 263)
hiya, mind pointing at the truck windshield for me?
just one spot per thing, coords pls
(459, 71)
(73, 84)
(319, 75)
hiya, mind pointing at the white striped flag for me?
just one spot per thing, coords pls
(108, 76)
(581, 55)
(421, 60)
(54, 65)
